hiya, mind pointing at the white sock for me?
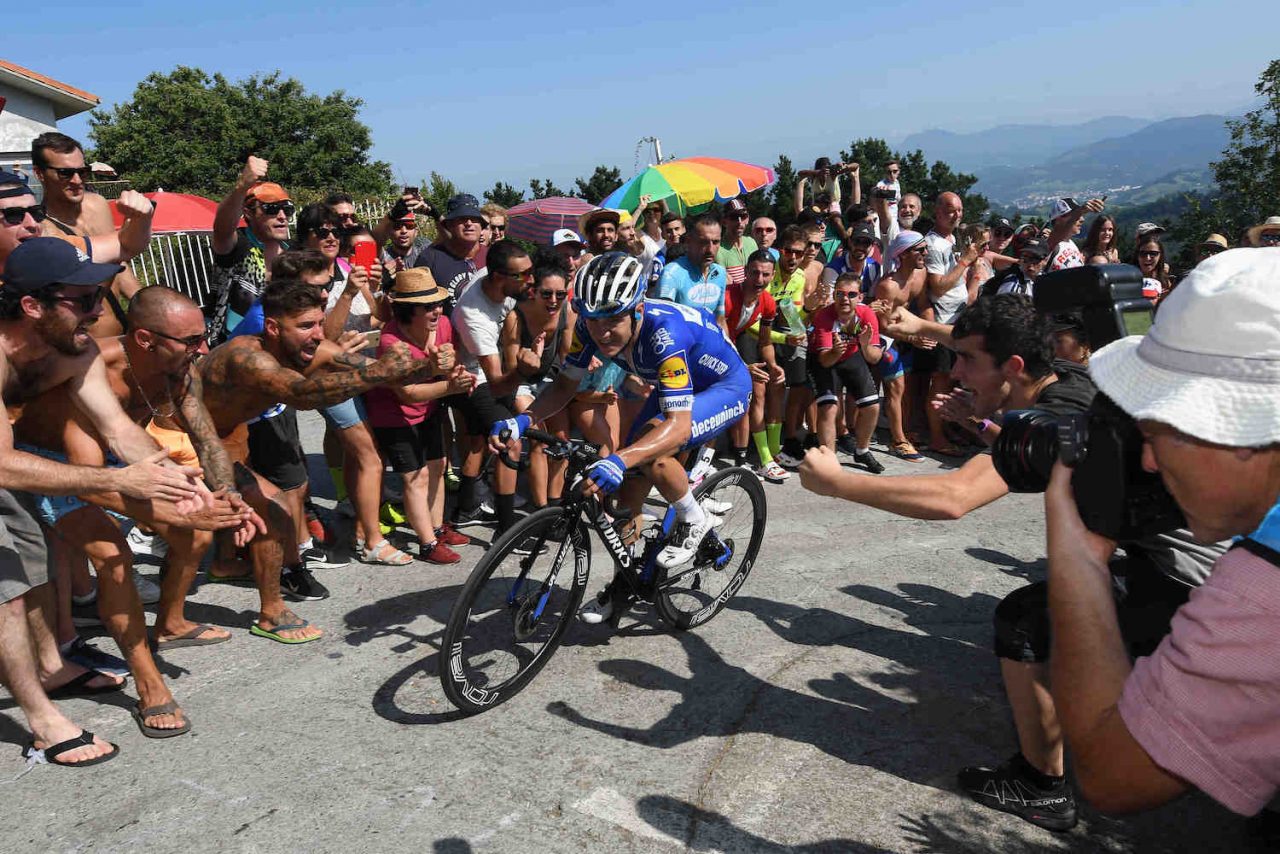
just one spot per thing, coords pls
(865, 449)
(688, 509)
(305, 544)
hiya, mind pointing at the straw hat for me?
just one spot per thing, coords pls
(417, 285)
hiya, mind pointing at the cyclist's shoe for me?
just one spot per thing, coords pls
(719, 508)
(599, 609)
(684, 541)
(299, 585)
(1011, 788)
(868, 462)
(846, 444)
(788, 461)
(772, 472)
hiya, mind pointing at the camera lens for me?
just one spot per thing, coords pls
(1026, 449)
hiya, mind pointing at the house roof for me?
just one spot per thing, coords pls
(67, 100)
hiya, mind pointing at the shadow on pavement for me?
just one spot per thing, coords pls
(704, 830)
(1010, 565)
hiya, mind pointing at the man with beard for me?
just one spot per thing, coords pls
(600, 228)
(74, 212)
(695, 278)
(452, 260)
(50, 297)
(291, 363)
(150, 372)
(735, 246)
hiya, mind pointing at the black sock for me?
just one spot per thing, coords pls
(506, 508)
(1035, 775)
(466, 493)
(739, 456)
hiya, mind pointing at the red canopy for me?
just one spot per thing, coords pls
(177, 212)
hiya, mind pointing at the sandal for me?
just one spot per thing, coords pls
(51, 753)
(140, 715)
(384, 554)
(293, 622)
(906, 451)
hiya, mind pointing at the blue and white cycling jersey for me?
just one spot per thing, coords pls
(679, 348)
(682, 282)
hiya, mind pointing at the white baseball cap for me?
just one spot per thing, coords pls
(1210, 365)
(566, 235)
(1062, 207)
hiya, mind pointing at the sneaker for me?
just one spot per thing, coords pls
(319, 557)
(480, 515)
(684, 541)
(451, 481)
(868, 462)
(299, 585)
(80, 651)
(148, 590)
(390, 514)
(142, 543)
(773, 472)
(599, 609)
(315, 525)
(527, 545)
(846, 444)
(787, 460)
(1010, 789)
(447, 535)
(437, 552)
(86, 614)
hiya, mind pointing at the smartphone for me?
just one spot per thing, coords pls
(366, 255)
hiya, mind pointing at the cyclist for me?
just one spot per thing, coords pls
(701, 388)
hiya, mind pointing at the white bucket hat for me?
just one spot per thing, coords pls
(1210, 365)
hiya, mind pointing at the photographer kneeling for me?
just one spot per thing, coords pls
(1204, 709)
(1004, 361)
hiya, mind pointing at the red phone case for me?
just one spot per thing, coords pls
(366, 255)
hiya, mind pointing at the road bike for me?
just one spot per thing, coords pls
(522, 595)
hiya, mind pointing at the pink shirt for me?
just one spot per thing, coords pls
(1206, 705)
(381, 404)
(829, 334)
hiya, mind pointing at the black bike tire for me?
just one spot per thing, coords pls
(454, 681)
(683, 620)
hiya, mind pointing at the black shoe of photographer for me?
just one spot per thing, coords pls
(1018, 788)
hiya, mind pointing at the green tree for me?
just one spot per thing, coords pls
(438, 190)
(545, 189)
(603, 181)
(781, 205)
(917, 176)
(1248, 175)
(186, 131)
(504, 194)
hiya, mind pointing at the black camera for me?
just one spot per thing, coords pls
(887, 193)
(1116, 497)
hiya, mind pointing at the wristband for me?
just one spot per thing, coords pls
(985, 424)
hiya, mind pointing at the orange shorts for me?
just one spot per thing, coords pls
(237, 444)
(176, 442)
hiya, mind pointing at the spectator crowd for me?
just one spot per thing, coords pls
(142, 422)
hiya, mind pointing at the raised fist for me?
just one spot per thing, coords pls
(255, 170)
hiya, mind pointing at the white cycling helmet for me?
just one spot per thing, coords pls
(609, 285)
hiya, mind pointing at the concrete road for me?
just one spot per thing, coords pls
(827, 709)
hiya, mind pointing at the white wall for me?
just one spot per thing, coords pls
(25, 117)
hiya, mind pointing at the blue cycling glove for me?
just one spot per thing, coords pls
(608, 473)
(516, 425)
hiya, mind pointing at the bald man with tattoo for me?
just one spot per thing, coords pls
(292, 363)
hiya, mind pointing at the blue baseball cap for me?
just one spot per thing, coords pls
(43, 261)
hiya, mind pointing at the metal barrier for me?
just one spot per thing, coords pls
(182, 260)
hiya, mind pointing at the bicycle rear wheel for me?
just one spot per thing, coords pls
(689, 595)
(514, 609)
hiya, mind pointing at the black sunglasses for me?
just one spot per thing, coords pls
(498, 228)
(273, 208)
(846, 295)
(85, 303)
(523, 275)
(1149, 253)
(66, 172)
(327, 231)
(815, 244)
(191, 342)
(15, 216)
(555, 295)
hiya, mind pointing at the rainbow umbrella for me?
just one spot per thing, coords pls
(692, 182)
(536, 220)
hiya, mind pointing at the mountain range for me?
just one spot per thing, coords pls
(1130, 160)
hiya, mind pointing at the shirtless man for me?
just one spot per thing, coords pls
(73, 211)
(902, 287)
(150, 372)
(292, 363)
(50, 297)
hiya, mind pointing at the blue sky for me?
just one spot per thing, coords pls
(515, 90)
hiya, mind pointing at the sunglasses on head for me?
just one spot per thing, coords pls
(191, 343)
(67, 172)
(274, 208)
(85, 303)
(15, 216)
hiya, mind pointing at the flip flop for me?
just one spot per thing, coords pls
(79, 687)
(140, 715)
(53, 751)
(274, 634)
(191, 638)
(907, 451)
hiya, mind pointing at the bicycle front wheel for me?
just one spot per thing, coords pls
(514, 609)
(689, 595)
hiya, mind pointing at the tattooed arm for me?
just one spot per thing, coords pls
(196, 421)
(261, 372)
